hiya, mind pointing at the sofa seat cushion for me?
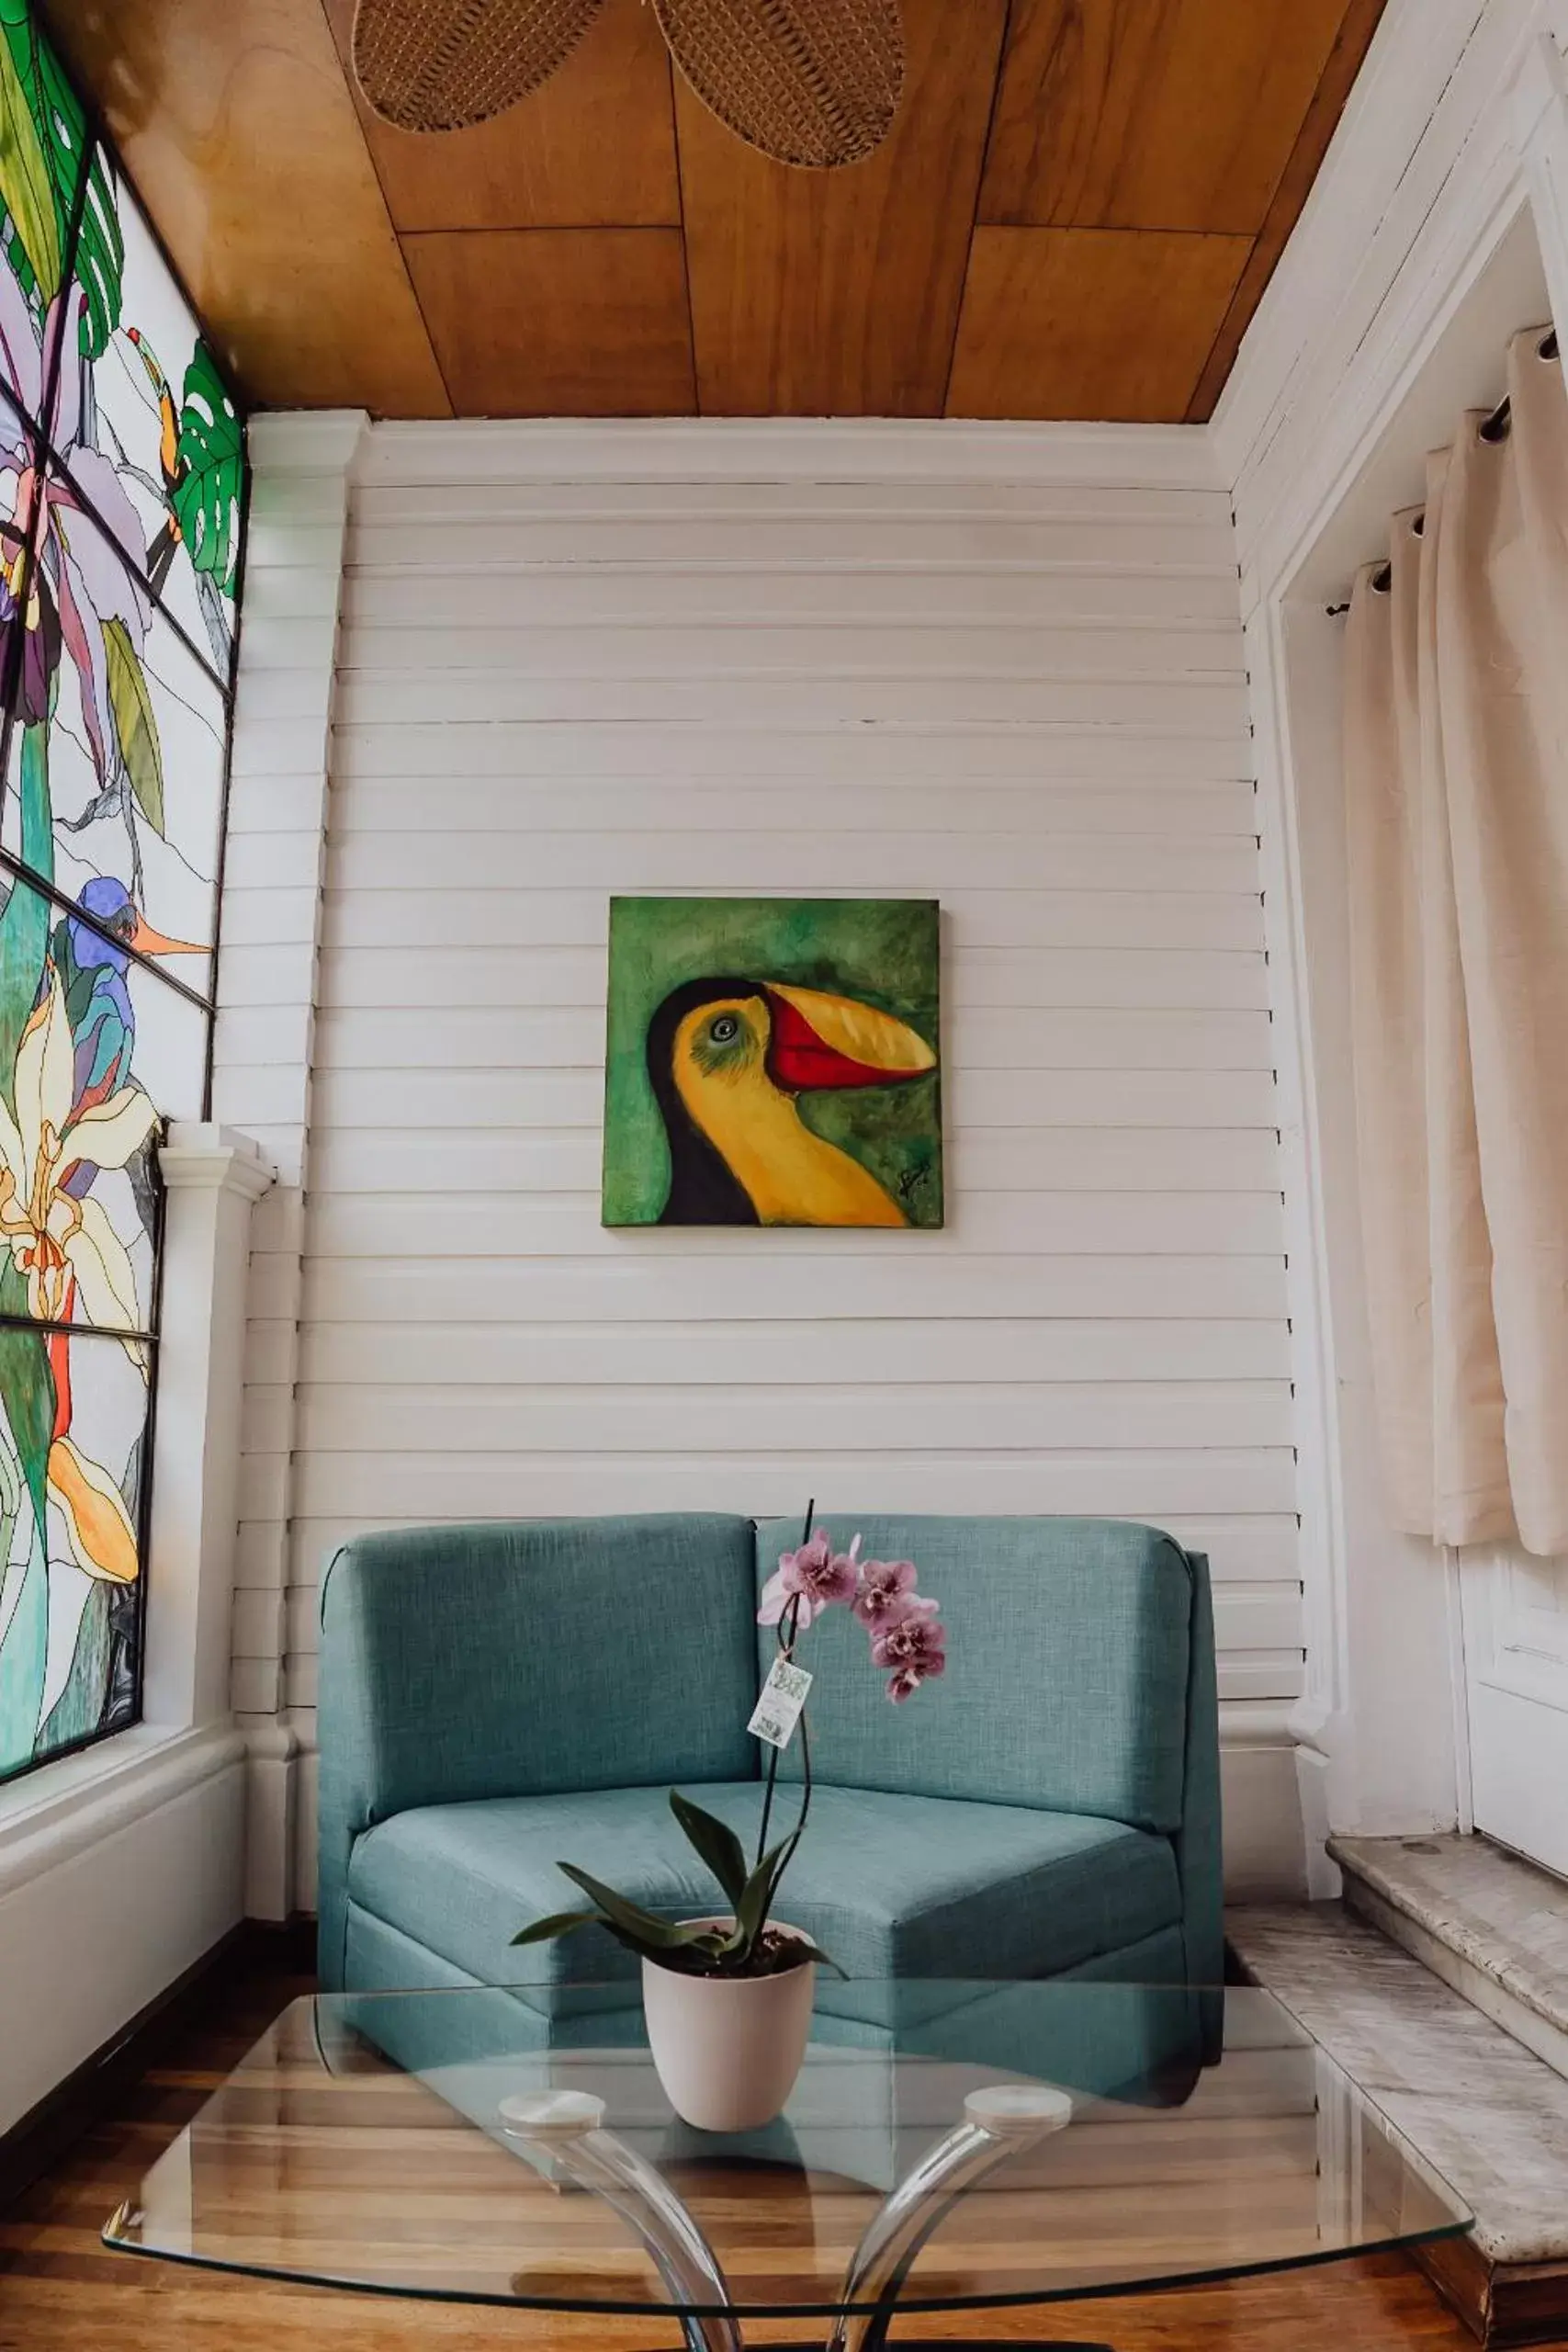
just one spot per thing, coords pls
(890, 1885)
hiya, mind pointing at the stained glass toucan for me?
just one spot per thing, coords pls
(727, 1058)
(160, 554)
(92, 961)
(174, 466)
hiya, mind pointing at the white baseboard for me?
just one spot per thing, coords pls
(141, 1881)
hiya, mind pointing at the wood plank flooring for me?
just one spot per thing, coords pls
(62, 2292)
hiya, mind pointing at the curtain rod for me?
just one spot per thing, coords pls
(1492, 428)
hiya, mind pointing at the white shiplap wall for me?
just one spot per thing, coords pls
(1004, 672)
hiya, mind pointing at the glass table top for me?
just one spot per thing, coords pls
(515, 2147)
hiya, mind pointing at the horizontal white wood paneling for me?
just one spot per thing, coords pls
(1031, 1224)
(506, 1095)
(618, 807)
(919, 595)
(1136, 921)
(828, 1417)
(820, 1277)
(899, 1352)
(980, 1159)
(812, 751)
(1025, 697)
(992, 1038)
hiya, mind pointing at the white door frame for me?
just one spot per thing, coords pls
(1444, 195)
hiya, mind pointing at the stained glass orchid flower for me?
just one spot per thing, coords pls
(78, 587)
(61, 1238)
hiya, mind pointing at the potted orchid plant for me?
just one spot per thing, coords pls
(727, 1996)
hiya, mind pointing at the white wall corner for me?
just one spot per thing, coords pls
(272, 1786)
(304, 464)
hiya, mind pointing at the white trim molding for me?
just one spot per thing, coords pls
(1438, 226)
(913, 450)
(212, 1180)
(302, 465)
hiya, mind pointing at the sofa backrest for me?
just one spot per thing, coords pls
(515, 1657)
(1066, 1684)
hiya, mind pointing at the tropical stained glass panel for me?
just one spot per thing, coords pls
(159, 411)
(73, 1424)
(136, 734)
(121, 491)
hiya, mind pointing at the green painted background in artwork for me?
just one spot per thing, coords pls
(884, 951)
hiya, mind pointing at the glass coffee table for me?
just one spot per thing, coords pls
(947, 2148)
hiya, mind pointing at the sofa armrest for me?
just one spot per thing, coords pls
(1199, 1855)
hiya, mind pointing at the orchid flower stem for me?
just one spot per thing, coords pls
(788, 1630)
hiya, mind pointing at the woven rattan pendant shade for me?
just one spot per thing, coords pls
(445, 64)
(810, 82)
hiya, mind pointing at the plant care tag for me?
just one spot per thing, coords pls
(779, 1707)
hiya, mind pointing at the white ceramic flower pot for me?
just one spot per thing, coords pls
(728, 2050)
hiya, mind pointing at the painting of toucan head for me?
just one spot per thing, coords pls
(773, 1062)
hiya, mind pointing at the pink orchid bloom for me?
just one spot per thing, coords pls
(913, 1651)
(816, 1578)
(887, 1589)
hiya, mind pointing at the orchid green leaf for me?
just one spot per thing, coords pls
(810, 1951)
(715, 1843)
(560, 1923)
(645, 1927)
(752, 1911)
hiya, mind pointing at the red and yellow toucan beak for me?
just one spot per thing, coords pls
(832, 1041)
(148, 942)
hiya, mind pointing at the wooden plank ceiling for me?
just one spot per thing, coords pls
(1075, 215)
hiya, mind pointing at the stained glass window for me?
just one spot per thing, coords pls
(121, 492)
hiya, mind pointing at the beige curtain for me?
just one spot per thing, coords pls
(1456, 767)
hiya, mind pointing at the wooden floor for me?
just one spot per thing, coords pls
(60, 2292)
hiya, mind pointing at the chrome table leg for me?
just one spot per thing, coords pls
(997, 2121)
(569, 2126)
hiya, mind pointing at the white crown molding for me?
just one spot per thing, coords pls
(305, 441)
(755, 449)
(1422, 178)
(202, 1157)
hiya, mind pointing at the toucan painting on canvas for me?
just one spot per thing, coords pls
(788, 1063)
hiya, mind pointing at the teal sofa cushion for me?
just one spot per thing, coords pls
(517, 1657)
(1067, 1683)
(890, 1885)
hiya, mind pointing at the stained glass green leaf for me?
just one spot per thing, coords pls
(210, 460)
(135, 753)
(61, 134)
(135, 724)
(25, 188)
(72, 1444)
(100, 262)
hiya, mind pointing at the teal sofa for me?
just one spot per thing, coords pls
(494, 1698)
